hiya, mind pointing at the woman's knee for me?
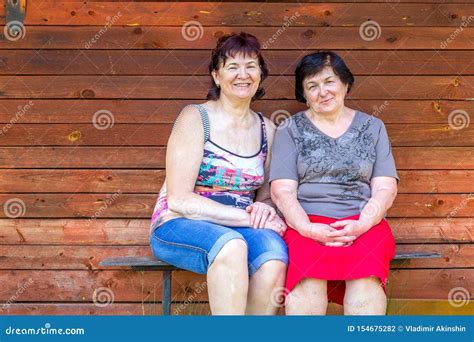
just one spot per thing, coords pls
(272, 271)
(364, 291)
(308, 297)
(364, 285)
(233, 252)
(310, 291)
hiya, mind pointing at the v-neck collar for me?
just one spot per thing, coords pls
(354, 119)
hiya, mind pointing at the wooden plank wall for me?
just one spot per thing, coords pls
(83, 190)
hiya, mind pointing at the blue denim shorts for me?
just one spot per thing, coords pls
(193, 244)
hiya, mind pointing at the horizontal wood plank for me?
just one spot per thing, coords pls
(131, 286)
(119, 232)
(195, 62)
(309, 1)
(91, 181)
(91, 309)
(194, 87)
(246, 14)
(107, 133)
(135, 232)
(15, 257)
(119, 205)
(88, 157)
(433, 205)
(293, 38)
(434, 157)
(76, 231)
(394, 307)
(165, 111)
(150, 181)
(157, 135)
(407, 158)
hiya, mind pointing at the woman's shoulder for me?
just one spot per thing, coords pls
(370, 120)
(189, 117)
(191, 112)
(288, 121)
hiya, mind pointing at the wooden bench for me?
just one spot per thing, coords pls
(152, 264)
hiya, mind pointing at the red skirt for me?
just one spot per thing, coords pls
(369, 255)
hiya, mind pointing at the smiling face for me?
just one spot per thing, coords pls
(239, 77)
(325, 92)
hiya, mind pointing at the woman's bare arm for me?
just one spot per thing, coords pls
(183, 160)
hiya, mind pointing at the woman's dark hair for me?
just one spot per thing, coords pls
(313, 63)
(228, 46)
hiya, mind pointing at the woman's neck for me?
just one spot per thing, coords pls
(239, 112)
(329, 118)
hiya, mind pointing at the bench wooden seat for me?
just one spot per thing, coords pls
(153, 264)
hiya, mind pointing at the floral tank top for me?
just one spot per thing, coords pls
(224, 177)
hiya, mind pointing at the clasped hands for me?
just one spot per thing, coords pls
(264, 216)
(328, 235)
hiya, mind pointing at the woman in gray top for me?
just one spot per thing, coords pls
(333, 177)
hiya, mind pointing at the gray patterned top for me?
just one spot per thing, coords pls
(333, 175)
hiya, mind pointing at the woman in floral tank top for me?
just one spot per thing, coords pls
(214, 214)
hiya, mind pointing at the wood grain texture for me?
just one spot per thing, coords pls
(131, 286)
(139, 157)
(47, 257)
(293, 38)
(73, 111)
(250, 14)
(195, 62)
(88, 193)
(135, 232)
(394, 307)
(150, 181)
(120, 205)
(196, 87)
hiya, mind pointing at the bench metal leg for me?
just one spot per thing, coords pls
(166, 294)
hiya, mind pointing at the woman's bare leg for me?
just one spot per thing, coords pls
(365, 296)
(228, 279)
(263, 287)
(309, 297)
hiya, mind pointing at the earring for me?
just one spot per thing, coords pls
(218, 86)
(307, 104)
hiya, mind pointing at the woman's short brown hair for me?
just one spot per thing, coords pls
(228, 46)
(313, 63)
